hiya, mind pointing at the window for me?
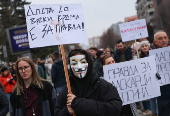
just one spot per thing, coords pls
(150, 6)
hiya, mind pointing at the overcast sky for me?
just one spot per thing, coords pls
(99, 14)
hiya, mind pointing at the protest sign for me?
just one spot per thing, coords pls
(55, 24)
(162, 58)
(135, 80)
(133, 30)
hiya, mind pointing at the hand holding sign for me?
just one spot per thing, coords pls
(135, 80)
(133, 30)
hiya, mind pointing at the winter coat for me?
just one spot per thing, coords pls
(8, 83)
(128, 54)
(4, 103)
(98, 67)
(101, 100)
(41, 72)
(46, 97)
(57, 73)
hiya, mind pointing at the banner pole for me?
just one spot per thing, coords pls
(66, 70)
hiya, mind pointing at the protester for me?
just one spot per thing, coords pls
(33, 96)
(127, 110)
(4, 103)
(161, 40)
(92, 51)
(108, 60)
(109, 52)
(42, 64)
(7, 81)
(91, 95)
(39, 69)
(48, 66)
(122, 53)
(13, 71)
(145, 47)
(57, 73)
(98, 67)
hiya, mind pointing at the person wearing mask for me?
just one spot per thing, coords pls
(127, 110)
(32, 96)
(7, 81)
(91, 95)
(161, 40)
(4, 103)
(57, 73)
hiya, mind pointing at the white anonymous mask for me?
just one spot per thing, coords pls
(79, 65)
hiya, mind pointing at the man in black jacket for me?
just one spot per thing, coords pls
(122, 53)
(98, 67)
(57, 72)
(92, 96)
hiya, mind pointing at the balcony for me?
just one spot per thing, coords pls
(151, 10)
(149, 3)
(149, 18)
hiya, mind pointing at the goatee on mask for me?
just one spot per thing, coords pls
(79, 65)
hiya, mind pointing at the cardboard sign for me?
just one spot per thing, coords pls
(133, 30)
(49, 25)
(162, 58)
(135, 80)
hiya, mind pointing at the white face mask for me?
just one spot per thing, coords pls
(79, 65)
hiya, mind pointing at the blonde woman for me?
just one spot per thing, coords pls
(32, 96)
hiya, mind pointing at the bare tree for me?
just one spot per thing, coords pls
(108, 39)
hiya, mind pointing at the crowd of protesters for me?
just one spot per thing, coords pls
(38, 87)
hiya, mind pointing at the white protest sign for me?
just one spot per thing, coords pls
(135, 80)
(162, 58)
(49, 25)
(133, 30)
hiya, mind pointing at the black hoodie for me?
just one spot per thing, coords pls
(100, 98)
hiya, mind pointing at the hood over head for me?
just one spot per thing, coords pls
(81, 85)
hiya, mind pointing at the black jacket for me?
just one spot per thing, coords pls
(46, 97)
(57, 73)
(101, 100)
(128, 54)
(98, 67)
(4, 104)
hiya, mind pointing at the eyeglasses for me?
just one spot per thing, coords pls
(21, 68)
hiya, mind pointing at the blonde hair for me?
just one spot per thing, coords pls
(36, 79)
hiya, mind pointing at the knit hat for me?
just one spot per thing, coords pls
(4, 69)
(144, 42)
(99, 53)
